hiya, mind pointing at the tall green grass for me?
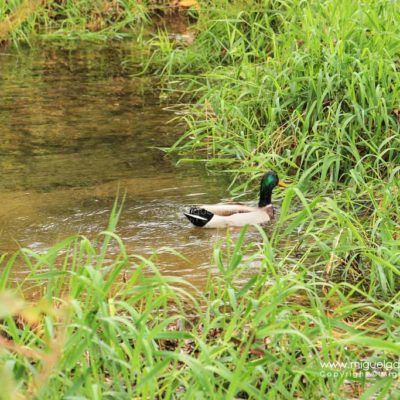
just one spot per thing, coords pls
(29, 20)
(105, 324)
(311, 90)
(301, 86)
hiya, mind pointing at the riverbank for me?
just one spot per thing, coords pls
(35, 21)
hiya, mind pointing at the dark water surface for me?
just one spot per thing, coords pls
(74, 126)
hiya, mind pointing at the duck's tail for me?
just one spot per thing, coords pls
(199, 216)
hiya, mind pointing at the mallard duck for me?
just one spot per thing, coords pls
(223, 215)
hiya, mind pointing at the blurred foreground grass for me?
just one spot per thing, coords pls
(110, 326)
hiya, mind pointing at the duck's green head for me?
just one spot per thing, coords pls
(268, 182)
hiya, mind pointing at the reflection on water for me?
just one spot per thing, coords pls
(74, 127)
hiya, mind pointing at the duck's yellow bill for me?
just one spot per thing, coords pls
(283, 184)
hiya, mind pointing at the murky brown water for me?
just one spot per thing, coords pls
(75, 125)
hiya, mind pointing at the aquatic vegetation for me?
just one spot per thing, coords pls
(310, 89)
(111, 326)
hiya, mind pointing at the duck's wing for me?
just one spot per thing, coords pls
(225, 210)
(258, 216)
(199, 216)
(203, 217)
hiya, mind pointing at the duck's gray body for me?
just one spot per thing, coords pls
(223, 215)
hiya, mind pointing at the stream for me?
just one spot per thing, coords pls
(79, 124)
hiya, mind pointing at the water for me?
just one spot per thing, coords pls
(76, 125)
